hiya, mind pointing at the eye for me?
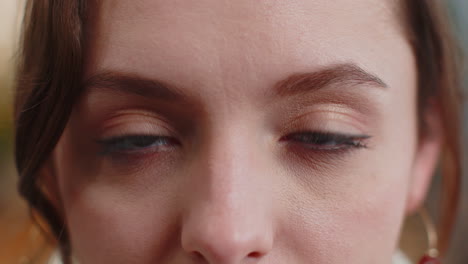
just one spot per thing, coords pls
(135, 143)
(327, 140)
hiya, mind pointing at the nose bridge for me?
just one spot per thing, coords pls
(227, 218)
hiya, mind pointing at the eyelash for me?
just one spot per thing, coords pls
(134, 143)
(327, 141)
(314, 141)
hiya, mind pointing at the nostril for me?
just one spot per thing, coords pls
(197, 255)
(254, 254)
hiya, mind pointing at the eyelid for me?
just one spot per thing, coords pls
(327, 117)
(361, 103)
(136, 122)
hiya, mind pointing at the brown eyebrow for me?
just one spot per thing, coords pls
(346, 74)
(134, 84)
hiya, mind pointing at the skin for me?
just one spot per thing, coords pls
(230, 186)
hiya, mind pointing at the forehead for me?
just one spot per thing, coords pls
(231, 42)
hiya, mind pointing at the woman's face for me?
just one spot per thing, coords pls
(242, 132)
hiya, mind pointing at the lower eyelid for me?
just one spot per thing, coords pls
(319, 159)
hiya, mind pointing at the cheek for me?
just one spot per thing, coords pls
(357, 216)
(362, 229)
(106, 227)
(111, 217)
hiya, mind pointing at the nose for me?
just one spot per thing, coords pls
(227, 216)
(216, 239)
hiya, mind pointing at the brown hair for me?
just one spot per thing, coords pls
(49, 82)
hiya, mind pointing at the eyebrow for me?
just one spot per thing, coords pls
(348, 74)
(130, 83)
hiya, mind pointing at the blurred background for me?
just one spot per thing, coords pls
(20, 241)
